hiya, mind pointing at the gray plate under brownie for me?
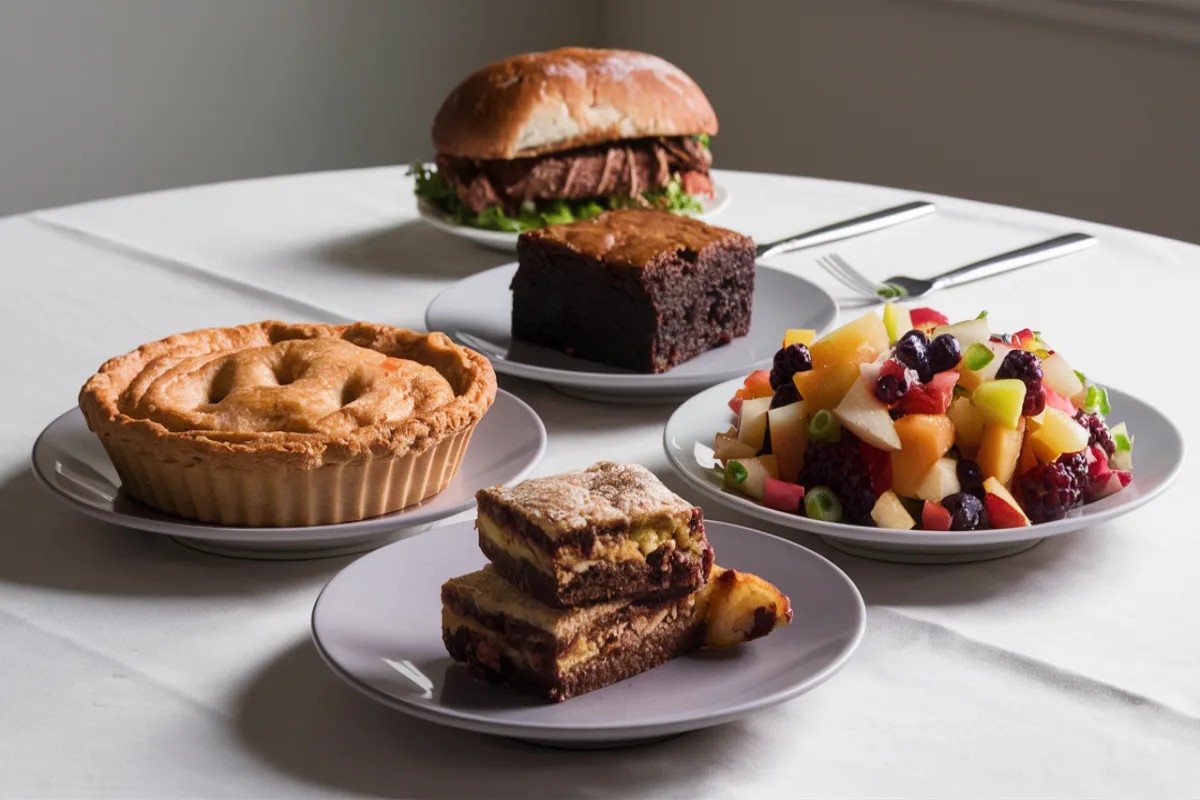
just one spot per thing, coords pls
(477, 312)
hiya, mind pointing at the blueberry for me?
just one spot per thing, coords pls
(785, 394)
(912, 351)
(966, 512)
(970, 478)
(943, 353)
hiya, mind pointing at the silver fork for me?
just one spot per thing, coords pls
(901, 286)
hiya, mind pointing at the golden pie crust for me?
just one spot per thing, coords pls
(273, 425)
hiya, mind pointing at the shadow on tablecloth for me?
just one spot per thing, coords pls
(298, 717)
(45, 543)
(412, 248)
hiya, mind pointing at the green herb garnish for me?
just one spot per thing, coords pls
(736, 472)
(822, 504)
(890, 291)
(1081, 376)
(702, 138)
(982, 315)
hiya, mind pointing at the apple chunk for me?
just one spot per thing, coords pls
(889, 512)
(940, 481)
(861, 413)
(789, 438)
(752, 424)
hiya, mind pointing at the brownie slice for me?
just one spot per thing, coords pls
(643, 290)
(501, 634)
(611, 531)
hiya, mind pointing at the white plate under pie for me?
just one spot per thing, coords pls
(1157, 461)
(378, 626)
(506, 242)
(69, 460)
(477, 312)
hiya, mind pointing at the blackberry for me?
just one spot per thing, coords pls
(1098, 431)
(970, 478)
(788, 361)
(1027, 368)
(840, 466)
(911, 350)
(967, 512)
(1048, 491)
(890, 388)
(943, 353)
(785, 394)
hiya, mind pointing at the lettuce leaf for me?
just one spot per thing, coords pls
(432, 187)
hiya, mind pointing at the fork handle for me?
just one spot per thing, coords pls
(1015, 259)
(876, 220)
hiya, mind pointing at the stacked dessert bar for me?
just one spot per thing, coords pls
(595, 576)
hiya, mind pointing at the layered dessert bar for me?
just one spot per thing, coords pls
(609, 532)
(503, 634)
(642, 290)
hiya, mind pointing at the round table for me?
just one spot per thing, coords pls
(133, 667)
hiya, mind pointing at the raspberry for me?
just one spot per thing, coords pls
(944, 353)
(788, 361)
(1027, 368)
(1048, 491)
(967, 512)
(839, 466)
(1099, 433)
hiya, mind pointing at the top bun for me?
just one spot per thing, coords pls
(539, 103)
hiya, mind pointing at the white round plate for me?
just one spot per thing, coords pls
(378, 625)
(1158, 458)
(477, 312)
(506, 242)
(69, 460)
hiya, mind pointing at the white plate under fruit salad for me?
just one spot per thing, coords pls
(907, 437)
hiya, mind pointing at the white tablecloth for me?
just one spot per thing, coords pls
(132, 667)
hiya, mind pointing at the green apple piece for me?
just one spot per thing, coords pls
(1122, 459)
(967, 333)
(940, 481)
(749, 475)
(752, 424)
(727, 446)
(867, 418)
(897, 321)
(1058, 376)
(889, 512)
(1000, 401)
(789, 438)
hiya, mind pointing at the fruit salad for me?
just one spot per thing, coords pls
(908, 421)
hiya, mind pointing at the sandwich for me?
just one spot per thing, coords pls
(565, 135)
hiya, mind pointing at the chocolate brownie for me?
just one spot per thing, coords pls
(502, 634)
(643, 290)
(609, 532)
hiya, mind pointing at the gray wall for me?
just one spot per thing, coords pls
(104, 97)
(1083, 107)
(1089, 108)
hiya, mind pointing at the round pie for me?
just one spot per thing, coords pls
(273, 424)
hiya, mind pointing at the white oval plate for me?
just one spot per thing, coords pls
(506, 242)
(69, 460)
(378, 625)
(477, 312)
(1158, 458)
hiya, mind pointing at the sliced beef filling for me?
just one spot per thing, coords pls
(621, 169)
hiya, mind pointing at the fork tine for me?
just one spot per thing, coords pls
(850, 277)
(834, 271)
(869, 286)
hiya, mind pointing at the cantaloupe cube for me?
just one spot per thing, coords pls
(836, 358)
(924, 438)
(999, 450)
